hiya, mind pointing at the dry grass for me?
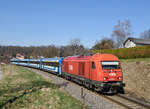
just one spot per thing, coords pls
(137, 78)
(22, 88)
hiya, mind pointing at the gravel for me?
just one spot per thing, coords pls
(94, 101)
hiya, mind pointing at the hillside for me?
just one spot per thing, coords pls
(137, 77)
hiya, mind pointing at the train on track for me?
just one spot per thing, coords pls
(101, 72)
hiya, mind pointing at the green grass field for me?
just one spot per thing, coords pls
(22, 88)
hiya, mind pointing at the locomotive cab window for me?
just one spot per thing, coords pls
(110, 65)
(93, 65)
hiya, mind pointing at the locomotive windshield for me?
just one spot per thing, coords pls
(110, 65)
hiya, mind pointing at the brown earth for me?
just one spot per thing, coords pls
(137, 78)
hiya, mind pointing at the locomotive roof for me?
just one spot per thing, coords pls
(78, 57)
(105, 57)
(98, 56)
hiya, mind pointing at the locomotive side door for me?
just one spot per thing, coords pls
(92, 70)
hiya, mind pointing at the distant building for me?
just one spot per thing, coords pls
(133, 42)
(19, 56)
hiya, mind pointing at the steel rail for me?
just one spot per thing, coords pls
(142, 103)
(115, 101)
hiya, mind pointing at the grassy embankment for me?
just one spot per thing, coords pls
(22, 88)
(135, 60)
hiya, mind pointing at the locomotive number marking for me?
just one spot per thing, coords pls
(70, 67)
(112, 74)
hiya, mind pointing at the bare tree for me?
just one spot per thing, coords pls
(75, 42)
(146, 34)
(121, 32)
(73, 48)
(76, 46)
(104, 44)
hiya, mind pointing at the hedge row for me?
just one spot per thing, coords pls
(128, 53)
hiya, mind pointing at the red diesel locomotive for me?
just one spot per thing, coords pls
(101, 72)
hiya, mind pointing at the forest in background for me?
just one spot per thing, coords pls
(8, 52)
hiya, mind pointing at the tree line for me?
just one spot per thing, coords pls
(73, 48)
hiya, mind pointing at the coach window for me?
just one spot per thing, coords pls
(93, 65)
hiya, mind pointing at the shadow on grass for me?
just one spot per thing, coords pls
(23, 89)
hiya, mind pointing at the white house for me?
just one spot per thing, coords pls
(133, 42)
(19, 56)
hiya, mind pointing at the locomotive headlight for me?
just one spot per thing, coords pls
(119, 78)
(105, 78)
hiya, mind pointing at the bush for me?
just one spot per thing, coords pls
(128, 53)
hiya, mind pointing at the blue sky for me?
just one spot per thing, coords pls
(45, 22)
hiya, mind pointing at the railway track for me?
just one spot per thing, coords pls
(119, 99)
(135, 101)
(127, 103)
